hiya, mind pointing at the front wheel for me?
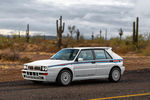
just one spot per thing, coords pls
(115, 75)
(64, 77)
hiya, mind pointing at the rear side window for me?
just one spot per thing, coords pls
(100, 54)
(108, 56)
(86, 55)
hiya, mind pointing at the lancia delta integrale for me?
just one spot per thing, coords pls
(71, 64)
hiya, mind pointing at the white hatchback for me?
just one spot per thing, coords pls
(80, 63)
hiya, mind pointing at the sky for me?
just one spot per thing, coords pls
(87, 15)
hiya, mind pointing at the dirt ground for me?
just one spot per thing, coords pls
(11, 71)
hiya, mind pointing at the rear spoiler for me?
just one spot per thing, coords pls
(108, 48)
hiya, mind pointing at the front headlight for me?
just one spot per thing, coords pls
(25, 67)
(44, 68)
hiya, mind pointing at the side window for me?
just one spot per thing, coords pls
(99, 54)
(108, 56)
(86, 55)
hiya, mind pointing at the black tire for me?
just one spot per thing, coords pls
(115, 75)
(64, 78)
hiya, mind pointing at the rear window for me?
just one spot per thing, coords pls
(101, 54)
(108, 56)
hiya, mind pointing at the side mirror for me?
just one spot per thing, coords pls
(80, 59)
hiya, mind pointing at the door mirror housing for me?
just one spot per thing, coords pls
(80, 59)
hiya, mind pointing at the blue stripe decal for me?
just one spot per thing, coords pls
(86, 62)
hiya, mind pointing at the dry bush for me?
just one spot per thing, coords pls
(146, 51)
(25, 59)
(8, 54)
(11, 55)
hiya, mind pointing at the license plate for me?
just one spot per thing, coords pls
(34, 77)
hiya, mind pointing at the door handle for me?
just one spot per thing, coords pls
(93, 62)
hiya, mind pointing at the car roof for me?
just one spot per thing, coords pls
(106, 48)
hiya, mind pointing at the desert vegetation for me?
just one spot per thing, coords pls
(12, 46)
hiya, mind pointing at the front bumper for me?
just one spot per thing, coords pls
(35, 75)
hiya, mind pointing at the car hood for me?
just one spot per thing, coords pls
(47, 62)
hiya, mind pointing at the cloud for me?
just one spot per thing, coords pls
(89, 16)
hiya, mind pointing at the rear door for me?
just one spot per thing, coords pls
(104, 62)
(87, 67)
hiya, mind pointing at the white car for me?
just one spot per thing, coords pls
(80, 63)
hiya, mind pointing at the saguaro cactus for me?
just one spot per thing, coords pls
(106, 34)
(100, 33)
(60, 29)
(120, 33)
(27, 34)
(134, 32)
(78, 35)
(92, 36)
(137, 29)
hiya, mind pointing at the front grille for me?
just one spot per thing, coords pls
(37, 68)
(33, 73)
(34, 68)
(30, 67)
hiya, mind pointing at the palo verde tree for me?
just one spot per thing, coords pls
(72, 30)
(60, 29)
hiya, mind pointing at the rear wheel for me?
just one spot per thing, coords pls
(64, 77)
(115, 75)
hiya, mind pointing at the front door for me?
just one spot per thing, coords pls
(87, 67)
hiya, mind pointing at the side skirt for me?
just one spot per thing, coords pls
(90, 77)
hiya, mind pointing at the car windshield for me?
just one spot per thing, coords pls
(65, 54)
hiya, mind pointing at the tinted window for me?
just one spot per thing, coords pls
(86, 55)
(65, 54)
(108, 56)
(100, 54)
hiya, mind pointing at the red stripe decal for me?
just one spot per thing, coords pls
(63, 64)
(116, 60)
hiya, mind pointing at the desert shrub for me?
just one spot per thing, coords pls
(146, 51)
(24, 59)
(114, 42)
(9, 55)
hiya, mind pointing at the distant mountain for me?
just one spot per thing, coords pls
(49, 37)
